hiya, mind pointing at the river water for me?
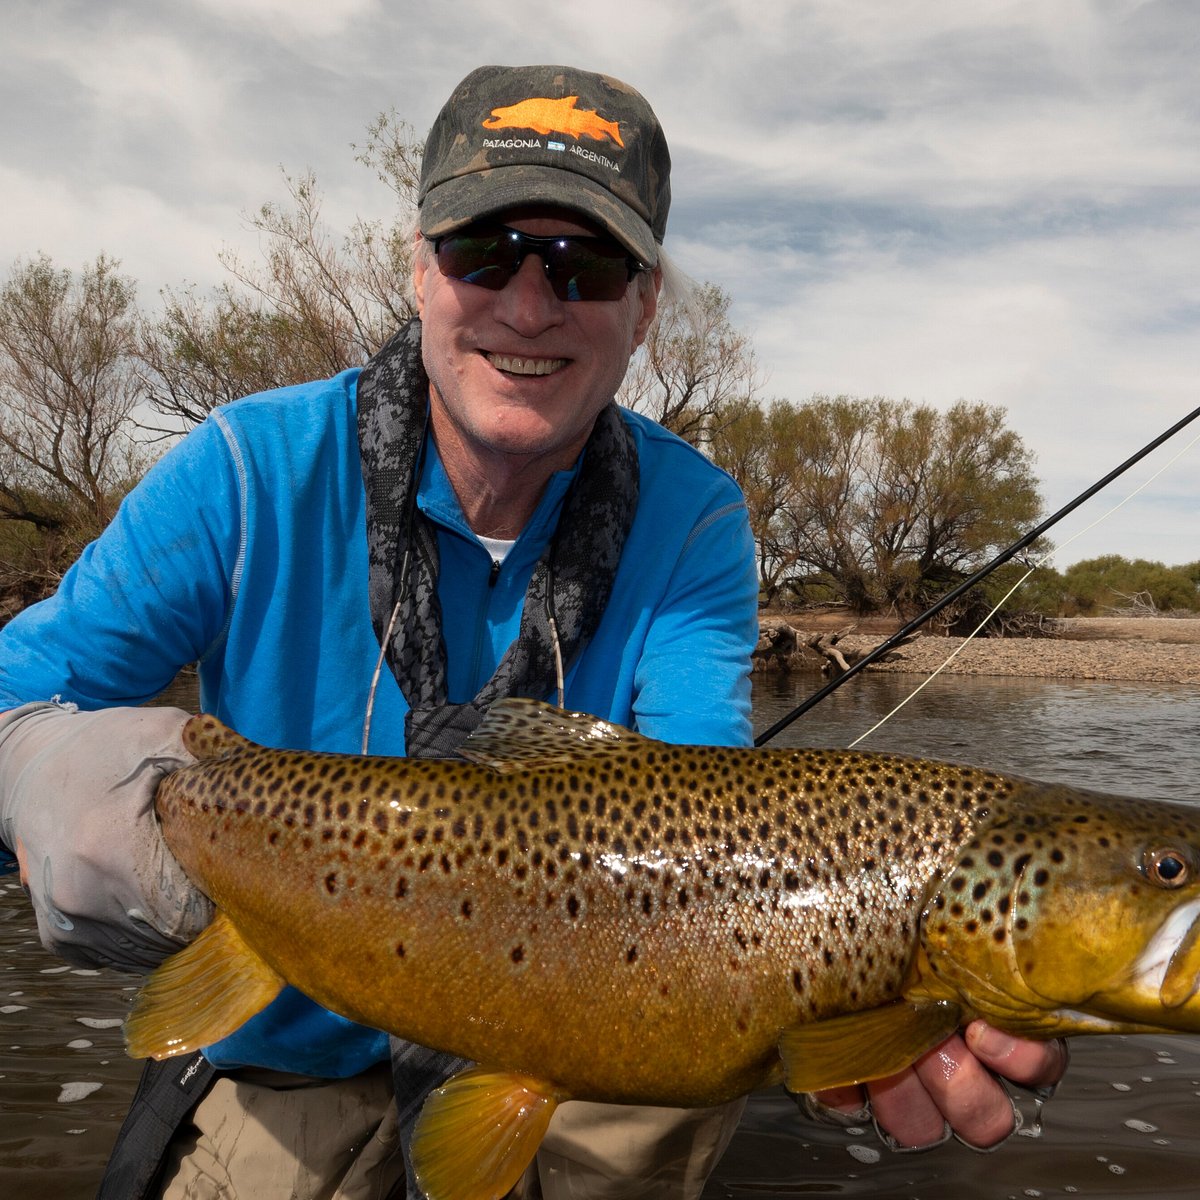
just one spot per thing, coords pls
(1123, 1124)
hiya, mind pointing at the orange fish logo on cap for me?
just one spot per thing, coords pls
(544, 115)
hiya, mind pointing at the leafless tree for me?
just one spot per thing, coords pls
(67, 389)
(315, 305)
(692, 368)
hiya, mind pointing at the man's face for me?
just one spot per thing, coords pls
(518, 372)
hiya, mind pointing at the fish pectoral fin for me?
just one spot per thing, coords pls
(479, 1131)
(199, 995)
(862, 1046)
(517, 733)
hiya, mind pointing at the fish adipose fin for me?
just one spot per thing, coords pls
(517, 733)
(866, 1045)
(199, 995)
(206, 737)
(478, 1132)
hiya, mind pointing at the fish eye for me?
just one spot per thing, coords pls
(1167, 868)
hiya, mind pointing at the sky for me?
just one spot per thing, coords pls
(996, 201)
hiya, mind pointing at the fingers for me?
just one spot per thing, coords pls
(955, 1083)
(953, 1088)
(906, 1111)
(849, 1101)
(22, 864)
(1031, 1064)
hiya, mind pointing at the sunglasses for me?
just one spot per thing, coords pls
(578, 268)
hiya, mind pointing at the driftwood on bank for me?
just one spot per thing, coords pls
(782, 648)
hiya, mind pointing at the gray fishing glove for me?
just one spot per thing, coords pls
(77, 791)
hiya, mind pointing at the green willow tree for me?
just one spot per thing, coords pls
(1112, 583)
(878, 503)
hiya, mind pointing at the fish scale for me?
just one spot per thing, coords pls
(603, 916)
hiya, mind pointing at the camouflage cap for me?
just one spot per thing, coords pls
(511, 136)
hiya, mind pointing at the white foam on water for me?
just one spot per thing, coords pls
(864, 1154)
(71, 1092)
(80, 1044)
(12, 1008)
(53, 970)
(1141, 1126)
(99, 1022)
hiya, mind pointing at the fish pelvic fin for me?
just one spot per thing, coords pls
(200, 995)
(206, 737)
(516, 733)
(861, 1046)
(479, 1131)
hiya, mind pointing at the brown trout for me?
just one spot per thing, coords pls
(589, 913)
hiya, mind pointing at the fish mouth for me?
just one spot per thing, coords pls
(516, 364)
(1182, 978)
(1173, 957)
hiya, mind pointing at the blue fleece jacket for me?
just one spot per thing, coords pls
(245, 549)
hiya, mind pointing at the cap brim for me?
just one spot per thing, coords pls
(465, 199)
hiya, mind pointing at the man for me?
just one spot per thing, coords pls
(473, 508)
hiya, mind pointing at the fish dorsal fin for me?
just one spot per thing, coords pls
(478, 1132)
(862, 1046)
(518, 733)
(199, 995)
(206, 737)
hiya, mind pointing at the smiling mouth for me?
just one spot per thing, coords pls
(515, 365)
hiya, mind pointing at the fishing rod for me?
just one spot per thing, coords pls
(967, 584)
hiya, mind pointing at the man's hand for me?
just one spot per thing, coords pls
(77, 806)
(953, 1086)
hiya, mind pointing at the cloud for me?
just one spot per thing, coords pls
(994, 200)
(296, 20)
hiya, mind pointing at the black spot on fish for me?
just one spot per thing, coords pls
(331, 883)
(399, 949)
(466, 909)
(517, 954)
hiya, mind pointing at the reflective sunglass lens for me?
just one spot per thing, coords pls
(578, 268)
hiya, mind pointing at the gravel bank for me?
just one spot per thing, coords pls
(1054, 658)
(1149, 650)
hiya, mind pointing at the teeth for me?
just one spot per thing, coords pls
(526, 366)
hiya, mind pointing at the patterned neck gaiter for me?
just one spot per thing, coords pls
(571, 582)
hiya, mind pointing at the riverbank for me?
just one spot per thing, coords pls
(1141, 649)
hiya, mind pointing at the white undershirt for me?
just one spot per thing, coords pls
(498, 548)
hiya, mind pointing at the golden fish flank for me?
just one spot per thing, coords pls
(589, 913)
